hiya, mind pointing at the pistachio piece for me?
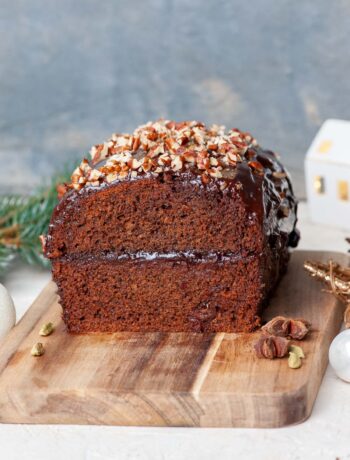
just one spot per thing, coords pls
(297, 350)
(46, 329)
(37, 350)
(294, 361)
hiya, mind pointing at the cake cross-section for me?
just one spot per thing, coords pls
(177, 227)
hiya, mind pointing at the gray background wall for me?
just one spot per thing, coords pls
(72, 72)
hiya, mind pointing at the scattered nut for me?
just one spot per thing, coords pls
(294, 361)
(287, 327)
(277, 326)
(297, 350)
(37, 350)
(271, 347)
(298, 328)
(46, 329)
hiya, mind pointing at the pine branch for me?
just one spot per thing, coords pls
(23, 220)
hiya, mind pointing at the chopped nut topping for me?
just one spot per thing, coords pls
(176, 164)
(42, 239)
(165, 146)
(256, 166)
(61, 190)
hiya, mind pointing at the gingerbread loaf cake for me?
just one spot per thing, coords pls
(177, 227)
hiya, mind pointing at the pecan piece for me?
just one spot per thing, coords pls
(271, 347)
(287, 327)
(256, 166)
(61, 190)
(136, 142)
(205, 178)
(43, 242)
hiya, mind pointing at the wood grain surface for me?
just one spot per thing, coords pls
(167, 379)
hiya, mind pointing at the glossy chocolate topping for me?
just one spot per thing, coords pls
(227, 164)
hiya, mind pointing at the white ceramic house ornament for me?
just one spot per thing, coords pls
(327, 170)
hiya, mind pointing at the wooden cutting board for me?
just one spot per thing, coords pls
(167, 379)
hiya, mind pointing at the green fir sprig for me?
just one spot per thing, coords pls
(23, 219)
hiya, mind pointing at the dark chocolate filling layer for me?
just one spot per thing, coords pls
(192, 256)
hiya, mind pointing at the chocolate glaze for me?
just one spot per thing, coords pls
(268, 198)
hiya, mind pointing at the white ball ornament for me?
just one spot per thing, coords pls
(7, 312)
(339, 355)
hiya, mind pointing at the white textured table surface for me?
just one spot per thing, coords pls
(325, 435)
